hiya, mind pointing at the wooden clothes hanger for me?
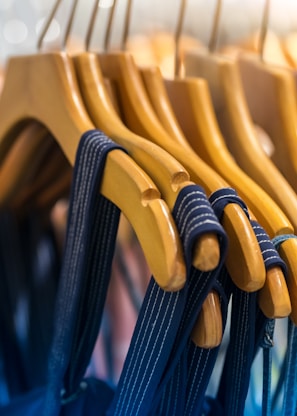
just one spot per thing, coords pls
(57, 105)
(99, 106)
(274, 87)
(156, 91)
(276, 305)
(235, 122)
(193, 108)
(169, 175)
(120, 67)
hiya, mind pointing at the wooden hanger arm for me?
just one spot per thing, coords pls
(223, 77)
(287, 252)
(183, 93)
(271, 96)
(208, 329)
(155, 89)
(167, 173)
(50, 95)
(199, 173)
(274, 299)
(208, 142)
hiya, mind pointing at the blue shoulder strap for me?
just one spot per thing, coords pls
(90, 240)
(198, 363)
(163, 326)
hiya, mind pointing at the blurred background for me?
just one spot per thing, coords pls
(22, 20)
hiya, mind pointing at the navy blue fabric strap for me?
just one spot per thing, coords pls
(221, 198)
(245, 335)
(266, 345)
(201, 361)
(196, 364)
(288, 372)
(166, 319)
(90, 240)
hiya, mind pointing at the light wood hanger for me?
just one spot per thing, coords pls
(235, 122)
(166, 172)
(120, 67)
(271, 96)
(272, 303)
(191, 101)
(99, 106)
(47, 91)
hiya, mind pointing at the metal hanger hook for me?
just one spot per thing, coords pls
(109, 25)
(264, 29)
(213, 40)
(49, 21)
(127, 21)
(47, 24)
(177, 36)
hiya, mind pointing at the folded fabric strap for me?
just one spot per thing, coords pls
(90, 239)
(199, 362)
(90, 242)
(166, 319)
(288, 373)
(245, 334)
(86, 268)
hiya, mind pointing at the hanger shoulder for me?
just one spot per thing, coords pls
(205, 137)
(235, 122)
(166, 171)
(287, 252)
(270, 92)
(154, 86)
(50, 95)
(274, 299)
(137, 110)
(208, 329)
(239, 226)
(202, 124)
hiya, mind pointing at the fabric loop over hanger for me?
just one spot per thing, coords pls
(222, 197)
(153, 355)
(279, 239)
(269, 249)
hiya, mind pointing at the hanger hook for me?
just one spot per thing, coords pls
(215, 27)
(123, 45)
(177, 36)
(264, 29)
(47, 24)
(92, 24)
(109, 26)
(50, 19)
(126, 25)
(69, 24)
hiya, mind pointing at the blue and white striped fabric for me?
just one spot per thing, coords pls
(196, 365)
(89, 248)
(166, 319)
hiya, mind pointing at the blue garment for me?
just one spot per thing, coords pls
(29, 264)
(196, 364)
(288, 373)
(166, 319)
(89, 249)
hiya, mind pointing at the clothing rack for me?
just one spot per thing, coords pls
(148, 199)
